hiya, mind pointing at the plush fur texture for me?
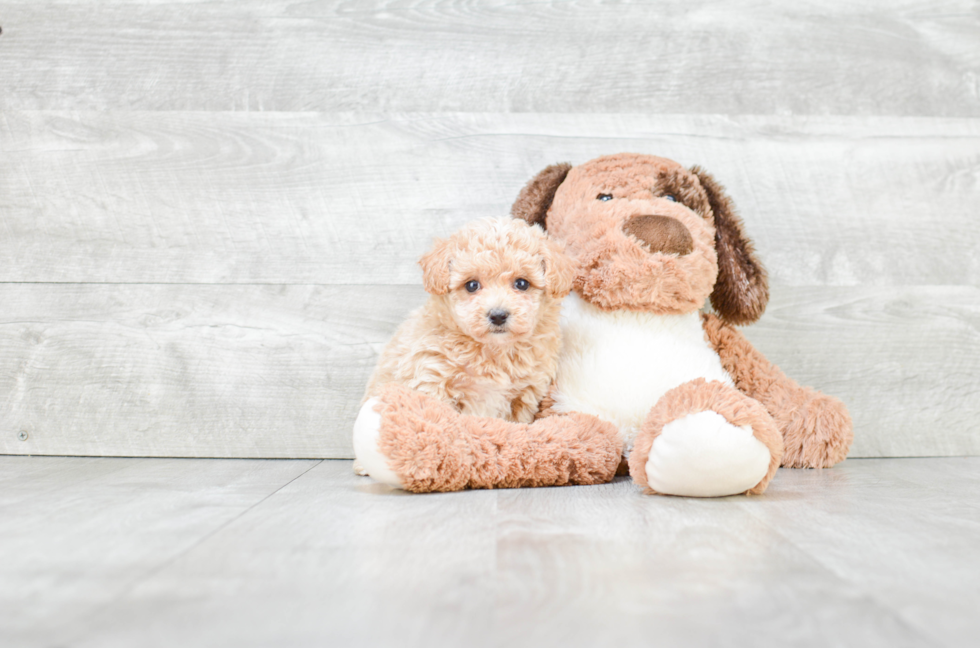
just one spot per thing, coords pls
(452, 350)
(432, 447)
(617, 269)
(741, 292)
(713, 258)
(660, 234)
(535, 198)
(702, 396)
(817, 430)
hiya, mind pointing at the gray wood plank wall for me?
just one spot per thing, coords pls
(210, 212)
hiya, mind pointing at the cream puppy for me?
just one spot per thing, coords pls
(488, 338)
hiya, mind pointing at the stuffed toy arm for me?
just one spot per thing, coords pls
(412, 441)
(816, 428)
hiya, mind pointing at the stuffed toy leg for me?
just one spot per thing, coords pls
(706, 439)
(412, 441)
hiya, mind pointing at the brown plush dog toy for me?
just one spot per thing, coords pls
(699, 411)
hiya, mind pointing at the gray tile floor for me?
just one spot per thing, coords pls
(194, 552)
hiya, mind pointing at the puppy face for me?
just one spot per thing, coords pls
(494, 278)
(642, 231)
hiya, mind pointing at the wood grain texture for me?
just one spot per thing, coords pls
(341, 199)
(78, 534)
(216, 371)
(278, 371)
(879, 58)
(869, 553)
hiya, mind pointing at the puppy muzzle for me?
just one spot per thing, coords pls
(660, 234)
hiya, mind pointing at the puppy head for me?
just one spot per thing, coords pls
(496, 278)
(648, 235)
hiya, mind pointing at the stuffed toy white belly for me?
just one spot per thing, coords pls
(617, 365)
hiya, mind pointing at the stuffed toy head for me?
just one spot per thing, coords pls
(648, 235)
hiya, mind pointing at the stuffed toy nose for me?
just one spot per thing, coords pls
(660, 234)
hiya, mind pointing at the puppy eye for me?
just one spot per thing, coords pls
(604, 197)
(472, 286)
(522, 284)
(670, 198)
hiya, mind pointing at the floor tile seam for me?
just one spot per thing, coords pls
(88, 630)
(919, 633)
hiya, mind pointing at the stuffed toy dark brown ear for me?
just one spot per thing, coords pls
(535, 198)
(742, 289)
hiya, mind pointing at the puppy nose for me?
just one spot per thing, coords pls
(661, 234)
(498, 316)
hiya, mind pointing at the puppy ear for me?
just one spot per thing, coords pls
(559, 269)
(535, 198)
(435, 268)
(742, 289)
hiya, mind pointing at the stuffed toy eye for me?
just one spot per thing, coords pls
(604, 197)
(670, 198)
(522, 284)
(472, 285)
